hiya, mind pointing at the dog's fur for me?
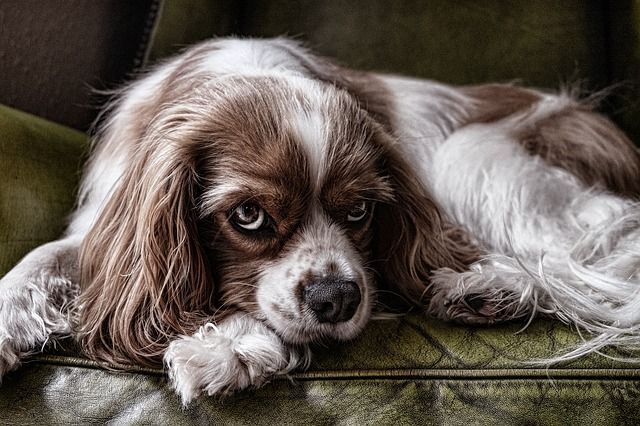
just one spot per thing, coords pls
(480, 204)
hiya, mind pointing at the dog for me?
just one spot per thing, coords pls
(248, 198)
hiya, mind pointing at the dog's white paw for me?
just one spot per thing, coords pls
(30, 313)
(472, 298)
(239, 353)
(9, 357)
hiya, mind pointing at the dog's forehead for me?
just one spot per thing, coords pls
(290, 139)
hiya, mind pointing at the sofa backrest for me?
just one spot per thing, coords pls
(54, 52)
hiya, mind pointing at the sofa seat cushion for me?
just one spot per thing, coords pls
(409, 370)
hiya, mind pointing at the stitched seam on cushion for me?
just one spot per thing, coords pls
(71, 361)
(148, 33)
(473, 374)
(410, 373)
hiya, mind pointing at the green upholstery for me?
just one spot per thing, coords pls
(39, 171)
(542, 43)
(412, 371)
(409, 370)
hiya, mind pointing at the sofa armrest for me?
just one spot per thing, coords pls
(39, 174)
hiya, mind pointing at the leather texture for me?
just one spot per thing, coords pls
(62, 395)
(405, 371)
(401, 371)
(39, 163)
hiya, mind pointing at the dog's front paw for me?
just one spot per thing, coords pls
(9, 357)
(219, 360)
(28, 317)
(468, 299)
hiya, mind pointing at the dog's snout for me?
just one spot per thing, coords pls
(332, 300)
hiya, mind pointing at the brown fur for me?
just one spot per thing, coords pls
(166, 262)
(365, 87)
(493, 102)
(576, 139)
(144, 256)
(146, 253)
(588, 145)
(412, 238)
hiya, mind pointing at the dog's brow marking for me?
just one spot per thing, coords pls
(213, 197)
(310, 127)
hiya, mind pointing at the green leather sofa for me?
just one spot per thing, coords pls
(409, 370)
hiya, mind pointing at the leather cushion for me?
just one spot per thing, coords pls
(409, 371)
(39, 164)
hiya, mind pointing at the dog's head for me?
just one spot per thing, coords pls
(278, 195)
(289, 194)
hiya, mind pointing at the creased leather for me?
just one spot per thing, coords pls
(406, 371)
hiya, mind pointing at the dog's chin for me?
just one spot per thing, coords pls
(308, 331)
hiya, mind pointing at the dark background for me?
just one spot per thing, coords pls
(55, 54)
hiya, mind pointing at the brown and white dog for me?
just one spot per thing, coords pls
(247, 198)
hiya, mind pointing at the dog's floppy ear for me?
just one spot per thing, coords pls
(412, 238)
(145, 272)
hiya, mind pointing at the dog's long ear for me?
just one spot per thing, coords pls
(412, 238)
(145, 272)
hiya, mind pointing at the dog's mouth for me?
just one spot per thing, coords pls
(299, 332)
(330, 309)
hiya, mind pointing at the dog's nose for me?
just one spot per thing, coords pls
(332, 300)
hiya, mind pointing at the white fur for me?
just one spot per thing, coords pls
(221, 359)
(249, 57)
(311, 129)
(558, 247)
(36, 300)
(424, 114)
(213, 197)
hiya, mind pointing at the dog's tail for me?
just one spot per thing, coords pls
(597, 287)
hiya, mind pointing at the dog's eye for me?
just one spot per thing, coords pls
(359, 212)
(249, 216)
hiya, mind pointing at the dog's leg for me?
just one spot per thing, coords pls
(236, 354)
(557, 246)
(484, 295)
(35, 300)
